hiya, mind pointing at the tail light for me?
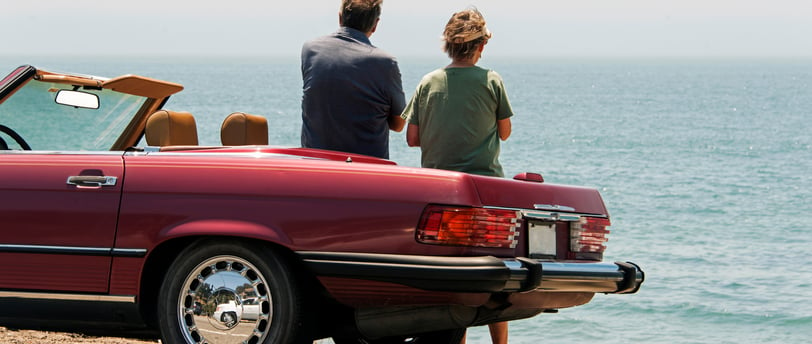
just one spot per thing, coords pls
(462, 226)
(589, 235)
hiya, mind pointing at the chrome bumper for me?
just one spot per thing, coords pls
(610, 278)
(478, 274)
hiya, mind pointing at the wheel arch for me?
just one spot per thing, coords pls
(224, 227)
(163, 255)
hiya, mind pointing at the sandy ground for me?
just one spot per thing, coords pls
(13, 336)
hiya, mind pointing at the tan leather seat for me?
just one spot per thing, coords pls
(244, 129)
(171, 128)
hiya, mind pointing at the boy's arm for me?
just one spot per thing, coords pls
(504, 128)
(413, 135)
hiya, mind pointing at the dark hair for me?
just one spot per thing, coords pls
(360, 14)
(464, 33)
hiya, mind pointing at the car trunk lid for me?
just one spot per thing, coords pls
(532, 193)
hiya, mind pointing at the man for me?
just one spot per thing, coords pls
(352, 91)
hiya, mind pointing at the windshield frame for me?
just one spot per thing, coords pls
(27, 105)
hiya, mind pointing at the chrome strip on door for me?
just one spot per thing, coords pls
(67, 297)
(74, 250)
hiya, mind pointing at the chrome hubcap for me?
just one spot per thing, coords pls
(225, 300)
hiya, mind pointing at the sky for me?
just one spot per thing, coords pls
(522, 28)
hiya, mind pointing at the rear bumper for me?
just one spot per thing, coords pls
(478, 274)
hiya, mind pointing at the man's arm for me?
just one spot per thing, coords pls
(413, 135)
(396, 123)
(397, 99)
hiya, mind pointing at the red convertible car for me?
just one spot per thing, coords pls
(111, 211)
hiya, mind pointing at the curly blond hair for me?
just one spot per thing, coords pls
(464, 33)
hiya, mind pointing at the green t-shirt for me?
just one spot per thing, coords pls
(456, 110)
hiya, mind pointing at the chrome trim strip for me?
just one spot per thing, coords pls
(129, 252)
(68, 297)
(44, 249)
(553, 207)
(547, 215)
(551, 216)
(74, 250)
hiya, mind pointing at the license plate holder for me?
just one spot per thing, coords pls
(541, 239)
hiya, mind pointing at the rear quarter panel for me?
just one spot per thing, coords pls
(302, 204)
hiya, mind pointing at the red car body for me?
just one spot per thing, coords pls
(366, 250)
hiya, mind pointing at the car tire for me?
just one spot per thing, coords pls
(453, 336)
(197, 268)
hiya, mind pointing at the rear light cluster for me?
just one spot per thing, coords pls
(478, 227)
(589, 235)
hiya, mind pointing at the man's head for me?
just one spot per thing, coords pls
(361, 15)
(465, 34)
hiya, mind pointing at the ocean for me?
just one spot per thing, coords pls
(704, 165)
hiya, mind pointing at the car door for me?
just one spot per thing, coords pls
(58, 214)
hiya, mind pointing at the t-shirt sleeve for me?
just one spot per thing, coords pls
(503, 108)
(398, 99)
(410, 114)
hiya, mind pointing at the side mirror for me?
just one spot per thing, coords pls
(77, 99)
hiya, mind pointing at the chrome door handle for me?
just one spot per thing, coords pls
(92, 181)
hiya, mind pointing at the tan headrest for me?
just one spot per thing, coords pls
(171, 128)
(244, 129)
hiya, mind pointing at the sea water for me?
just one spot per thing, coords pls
(704, 165)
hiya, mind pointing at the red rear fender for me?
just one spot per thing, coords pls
(223, 227)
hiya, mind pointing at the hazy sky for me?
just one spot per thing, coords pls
(586, 28)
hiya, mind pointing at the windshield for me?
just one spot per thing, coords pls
(35, 116)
